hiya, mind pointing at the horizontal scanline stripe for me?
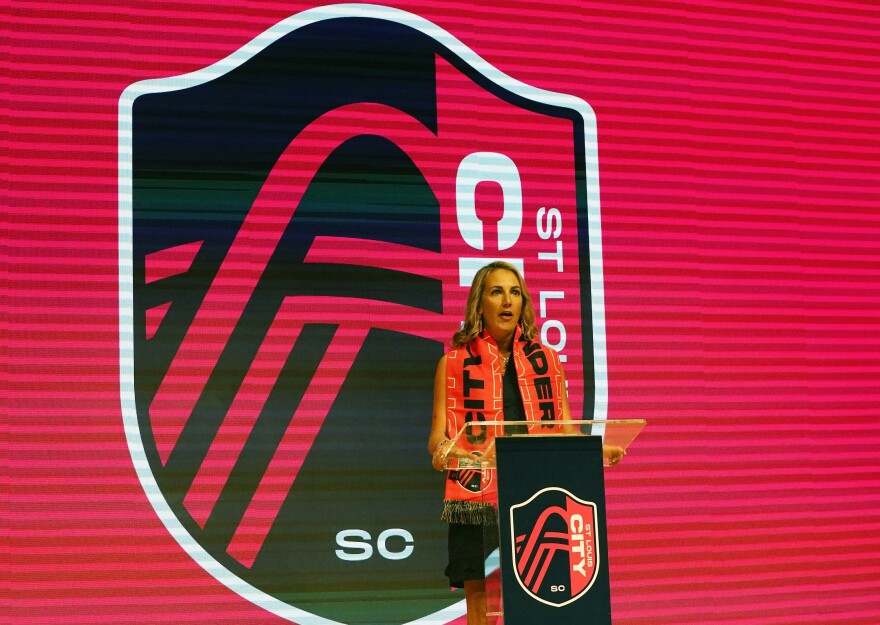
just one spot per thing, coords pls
(685, 493)
(843, 125)
(850, 15)
(720, 165)
(640, 570)
(692, 548)
(734, 482)
(687, 498)
(805, 225)
(838, 552)
(782, 595)
(670, 198)
(845, 547)
(60, 578)
(812, 57)
(752, 605)
(765, 578)
(783, 581)
(696, 29)
(753, 67)
(737, 98)
(739, 216)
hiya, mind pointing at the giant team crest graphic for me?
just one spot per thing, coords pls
(298, 226)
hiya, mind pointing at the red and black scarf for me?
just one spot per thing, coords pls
(474, 393)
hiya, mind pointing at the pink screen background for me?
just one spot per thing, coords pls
(738, 159)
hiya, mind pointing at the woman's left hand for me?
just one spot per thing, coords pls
(612, 453)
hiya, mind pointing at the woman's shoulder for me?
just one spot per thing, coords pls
(455, 354)
(455, 348)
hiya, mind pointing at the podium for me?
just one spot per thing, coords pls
(551, 561)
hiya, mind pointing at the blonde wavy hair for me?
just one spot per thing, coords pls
(473, 323)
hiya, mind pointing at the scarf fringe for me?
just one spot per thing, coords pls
(469, 512)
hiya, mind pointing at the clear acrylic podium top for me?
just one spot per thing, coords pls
(474, 445)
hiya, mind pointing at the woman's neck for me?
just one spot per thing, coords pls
(505, 344)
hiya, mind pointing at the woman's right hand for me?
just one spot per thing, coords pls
(441, 453)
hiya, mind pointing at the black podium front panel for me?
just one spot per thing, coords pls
(551, 509)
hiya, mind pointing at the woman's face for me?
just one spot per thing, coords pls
(501, 305)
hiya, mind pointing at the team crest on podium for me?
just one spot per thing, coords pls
(555, 546)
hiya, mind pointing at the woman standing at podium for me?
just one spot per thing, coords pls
(493, 354)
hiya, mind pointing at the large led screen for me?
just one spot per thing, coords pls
(238, 238)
